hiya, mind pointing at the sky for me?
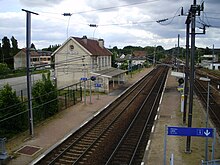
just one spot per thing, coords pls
(119, 22)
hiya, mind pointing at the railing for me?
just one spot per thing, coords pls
(211, 162)
(14, 119)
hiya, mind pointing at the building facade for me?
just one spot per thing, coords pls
(37, 58)
(80, 58)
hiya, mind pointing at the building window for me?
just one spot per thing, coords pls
(102, 61)
(99, 63)
(106, 61)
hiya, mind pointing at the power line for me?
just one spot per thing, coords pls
(170, 18)
(107, 8)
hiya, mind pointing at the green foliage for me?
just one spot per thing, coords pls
(4, 69)
(124, 65)
(44, 98)
(13, 118)
(52, 48)
(14, 43)
(114, 54)
(6, 55)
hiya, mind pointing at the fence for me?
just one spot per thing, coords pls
(211, 162)
(15, 118)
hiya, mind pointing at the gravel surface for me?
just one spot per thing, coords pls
(56, 128)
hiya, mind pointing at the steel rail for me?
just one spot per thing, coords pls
(213, 106)
(132, 124)
(59, 155)
(110, 124)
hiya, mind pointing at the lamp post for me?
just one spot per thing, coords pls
(95, 26)
(207, 115)
(67, 29)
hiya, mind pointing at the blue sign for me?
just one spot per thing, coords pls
(188, 131)
(98, 85)
(83, 79)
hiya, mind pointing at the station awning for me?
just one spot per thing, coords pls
(109, 73)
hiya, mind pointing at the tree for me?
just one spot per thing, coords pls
(45, 98)
(14, 43)
(4, 70)
(6, 46)
(52, 48)
(113, 64)
(33, 46)
(1, 57)
(12, 113)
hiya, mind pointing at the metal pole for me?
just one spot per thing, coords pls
(165, 146)
(213, 57)
(84, 85)
(90, 91)
(28, 45)
(192, 68)
(206, 123)
(29, 86)
(213, 144)
(178, 52)
(186, 74)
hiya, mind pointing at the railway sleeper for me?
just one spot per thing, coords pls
(68, 156)
(59, 163)
(75, 151)
(65, 161)
(86, 141)
(73, 154)
(81, 145)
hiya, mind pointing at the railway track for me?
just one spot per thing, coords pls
(201, 90)
(118, 134)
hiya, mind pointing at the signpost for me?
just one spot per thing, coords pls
(189, 131)
(84, 79)
(98, 85)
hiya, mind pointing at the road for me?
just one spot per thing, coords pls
(20, 83)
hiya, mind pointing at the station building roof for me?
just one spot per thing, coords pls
(109, 73)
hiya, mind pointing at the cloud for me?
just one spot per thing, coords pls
(38, 3)
(133, 24)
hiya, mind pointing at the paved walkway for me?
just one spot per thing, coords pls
(169, 114)
(55, 129)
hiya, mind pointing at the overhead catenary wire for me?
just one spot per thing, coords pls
(106, 8)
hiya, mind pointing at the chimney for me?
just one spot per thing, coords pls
(84, 38)
(101, 43)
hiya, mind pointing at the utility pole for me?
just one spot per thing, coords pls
(29, 87)
(192, 16)
(178, 52)
(213, 49)
(186, 88)
(191, 78)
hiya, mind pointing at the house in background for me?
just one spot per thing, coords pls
(80, 58)
(137, 58)
(37, 58)
(210, 62)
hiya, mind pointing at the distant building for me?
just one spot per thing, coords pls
(79, 58)
(139, 57)
(210, 62)
(37, 58)
(136, 58)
